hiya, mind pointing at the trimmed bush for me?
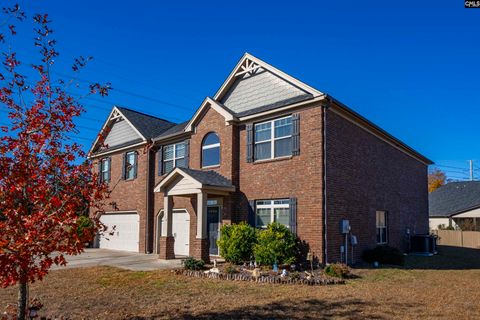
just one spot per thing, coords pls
(384, 255)
(236, 242)
(84, 223)
(275, 244)
(338, 270)
(193, 264)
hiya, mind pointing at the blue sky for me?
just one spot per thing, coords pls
(411, 67)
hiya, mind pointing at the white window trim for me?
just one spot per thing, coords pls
(382, 227)
(211, 146)
(272, 206)
(272, 138)
(104, 168)
(174, 155)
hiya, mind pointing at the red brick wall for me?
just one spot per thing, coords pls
(300, 176)
(128, 195)
(365, 174)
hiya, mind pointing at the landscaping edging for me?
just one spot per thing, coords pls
(261, 279)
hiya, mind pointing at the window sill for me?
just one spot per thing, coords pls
(272, 160)
(211, 167)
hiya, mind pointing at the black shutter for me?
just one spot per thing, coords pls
(251, 212)
(249, 128)
(135, 165)
(296, 134)
(100, 171)
(160, 160)
(109, 169)
(293, 215)
(124, 166)
(187, 153)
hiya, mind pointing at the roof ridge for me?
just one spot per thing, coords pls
(145, 114)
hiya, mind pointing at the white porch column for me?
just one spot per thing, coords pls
(201, 215)
(167, 216)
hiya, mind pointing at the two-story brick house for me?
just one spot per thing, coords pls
(265, 148)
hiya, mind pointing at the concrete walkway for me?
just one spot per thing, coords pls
(120, 259)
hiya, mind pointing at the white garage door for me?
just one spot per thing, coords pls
(181, 232)
(126, 234)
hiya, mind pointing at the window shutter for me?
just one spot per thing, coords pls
(293, 215)
(135, 166)
(124, 166)
(109, 169)
(251, 212)
(249, 142)
(160, 160)
(100, 171)
(187, 153)
(296, 134)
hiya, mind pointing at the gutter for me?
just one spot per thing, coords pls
(148, 206)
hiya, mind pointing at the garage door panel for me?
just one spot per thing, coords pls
(125, 236)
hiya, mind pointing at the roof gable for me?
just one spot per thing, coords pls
(255, 85)
(125, 127)
(210, 103)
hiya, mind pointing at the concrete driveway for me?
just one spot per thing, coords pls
(120, 259)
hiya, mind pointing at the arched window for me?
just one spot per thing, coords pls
(211, 150)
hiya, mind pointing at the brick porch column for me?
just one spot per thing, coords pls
(167, 240)
(200, 249)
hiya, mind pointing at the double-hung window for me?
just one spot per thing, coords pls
(130, 165)
(173, 156)
(105, 170)
(268, 211)
(381, 222)
(273, 139)
(211, 150)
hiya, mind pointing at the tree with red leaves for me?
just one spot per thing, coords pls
(46, 183)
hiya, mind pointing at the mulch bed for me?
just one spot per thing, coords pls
(274, 279)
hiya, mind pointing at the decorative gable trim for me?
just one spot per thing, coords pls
(113, 116)
(209, 102)
(251, 64)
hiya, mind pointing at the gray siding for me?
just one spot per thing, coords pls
(121, 133)
(257, 90)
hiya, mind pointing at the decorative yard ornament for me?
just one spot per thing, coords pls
(46, 184)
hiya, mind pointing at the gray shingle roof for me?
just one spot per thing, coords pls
(176, 129)
(275, 105)
(209, 178)
(453, 198)
(149, 126)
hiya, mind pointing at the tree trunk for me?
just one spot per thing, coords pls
(22, 300)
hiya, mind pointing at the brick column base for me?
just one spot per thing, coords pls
(166, 248)
(200, 250)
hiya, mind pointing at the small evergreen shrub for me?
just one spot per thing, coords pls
(384, 255)
(275, 244)
(84, 223)
(338, 270)
(236, 242)
(191, 263)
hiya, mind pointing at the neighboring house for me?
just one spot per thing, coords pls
(266, 147)
(456, 205)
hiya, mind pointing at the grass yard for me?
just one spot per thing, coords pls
(446, 286)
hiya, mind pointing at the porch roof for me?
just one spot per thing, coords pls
(188, 181)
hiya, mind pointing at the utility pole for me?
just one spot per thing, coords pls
(471, 169)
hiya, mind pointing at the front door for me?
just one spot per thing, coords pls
(213, 224)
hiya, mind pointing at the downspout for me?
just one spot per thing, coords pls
(148, 204)
(324, 160)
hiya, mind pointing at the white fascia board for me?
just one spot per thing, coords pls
(209, 102)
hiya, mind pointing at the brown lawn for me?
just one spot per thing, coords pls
(446, 286)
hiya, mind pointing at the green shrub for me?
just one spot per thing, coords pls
(230, 269)
(338, 270)
(193, 264)
(275, 244)
(384, 255)
(84, 223)
(236, 242)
